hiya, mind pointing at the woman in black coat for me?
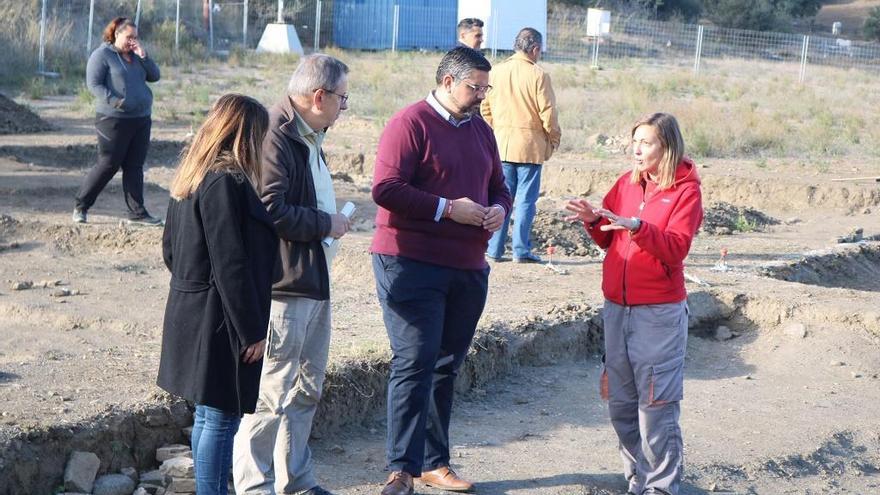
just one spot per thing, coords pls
(220, 246)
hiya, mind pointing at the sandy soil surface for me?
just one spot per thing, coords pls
(771, 408)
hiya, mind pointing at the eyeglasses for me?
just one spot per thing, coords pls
(477, 88)
(343, 99)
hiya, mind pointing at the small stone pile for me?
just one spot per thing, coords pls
(177, 465)
(175, 476)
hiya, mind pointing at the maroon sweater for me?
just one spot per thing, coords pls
(422, 158)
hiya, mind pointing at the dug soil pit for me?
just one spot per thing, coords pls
(82, 308)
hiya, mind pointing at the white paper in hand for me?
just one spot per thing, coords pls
(347, 210)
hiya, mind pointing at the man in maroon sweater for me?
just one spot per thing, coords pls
(440, 189)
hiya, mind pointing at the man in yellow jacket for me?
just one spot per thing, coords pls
(521, 108)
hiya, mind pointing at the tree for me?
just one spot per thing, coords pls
(798, 8)
(759, 14)
(872, 24)
(664, 9)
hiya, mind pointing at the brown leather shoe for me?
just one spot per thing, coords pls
(399, 483)
(445, 478)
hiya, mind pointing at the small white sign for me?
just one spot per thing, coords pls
(598, 22)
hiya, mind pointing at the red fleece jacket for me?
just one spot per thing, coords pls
(648, 266)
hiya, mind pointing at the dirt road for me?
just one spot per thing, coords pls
(544, 430)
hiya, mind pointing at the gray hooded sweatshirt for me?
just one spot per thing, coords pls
(121, 87)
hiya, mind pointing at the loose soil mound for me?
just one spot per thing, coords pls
(852, 267)
(724, 218)
(570, 239)
(77, 239)
(16, 119)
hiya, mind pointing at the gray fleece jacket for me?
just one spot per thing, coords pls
(119, 86)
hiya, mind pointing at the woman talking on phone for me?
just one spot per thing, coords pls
(117, 74)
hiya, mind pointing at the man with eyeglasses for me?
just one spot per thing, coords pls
(440, 191)
(297, 190)
(522, 112)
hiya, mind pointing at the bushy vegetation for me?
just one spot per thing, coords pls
(872, 24)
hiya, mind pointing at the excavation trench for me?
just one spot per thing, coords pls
(851, 266)
(32, 461)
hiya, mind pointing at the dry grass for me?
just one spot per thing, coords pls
(731, 110)
(18, 49)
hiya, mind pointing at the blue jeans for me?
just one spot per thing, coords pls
(212, 436)
(430, 313)
(524, 182)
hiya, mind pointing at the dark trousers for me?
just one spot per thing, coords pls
(430, 313)
(122, 143)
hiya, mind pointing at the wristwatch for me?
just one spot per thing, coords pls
(637, 224)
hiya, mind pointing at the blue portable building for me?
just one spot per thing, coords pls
(369, 24)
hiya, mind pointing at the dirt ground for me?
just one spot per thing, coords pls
(784, 401)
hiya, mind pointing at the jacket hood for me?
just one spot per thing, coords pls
(686, 171)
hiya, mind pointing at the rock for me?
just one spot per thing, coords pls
(79, 475)
(792, 221)
(188, 433)
(183, 485)
(723, 333)
(866, 211)
(837, 363)
(113, 484)
(855, 235)
(337, 449)
(61, 292)
(22, 285)
(706, 309)
(157, 478)
(130, 472)
(856, 375)
(797, 330)
(166, 452)
(147, 489)
(178, 467)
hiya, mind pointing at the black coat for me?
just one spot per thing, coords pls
(221, 248)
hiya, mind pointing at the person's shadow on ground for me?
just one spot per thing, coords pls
(588, 484)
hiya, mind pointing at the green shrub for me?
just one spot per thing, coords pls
(871, 27)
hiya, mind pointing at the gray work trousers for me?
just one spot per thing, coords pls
(644, 362)
(272, 445)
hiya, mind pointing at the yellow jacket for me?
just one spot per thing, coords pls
(521, 108)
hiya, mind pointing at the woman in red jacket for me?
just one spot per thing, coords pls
(646, 224)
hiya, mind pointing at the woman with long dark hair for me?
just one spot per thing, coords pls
(117, 74)
(220, 246)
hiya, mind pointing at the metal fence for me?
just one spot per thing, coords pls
(209, 26)
(692, 45)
